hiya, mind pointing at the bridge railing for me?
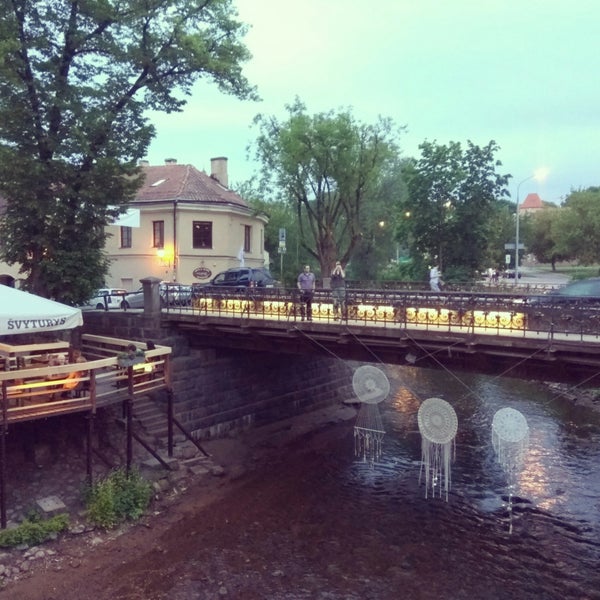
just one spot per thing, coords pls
(446, 310)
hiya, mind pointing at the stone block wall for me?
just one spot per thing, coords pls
(219, 391)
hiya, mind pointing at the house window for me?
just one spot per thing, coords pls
(125, 237)
(247, 238)
(202, 234)
(158, 234)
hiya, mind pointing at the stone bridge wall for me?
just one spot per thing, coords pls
(217, 391)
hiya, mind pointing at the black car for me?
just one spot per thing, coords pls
(572, 308)
(510, 274)
(585, 292)
(240, 278)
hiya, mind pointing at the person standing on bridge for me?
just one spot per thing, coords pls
(306, 285)
(435, 278)
(338, 291)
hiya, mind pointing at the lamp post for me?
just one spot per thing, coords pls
(517, 230)
(539, 175)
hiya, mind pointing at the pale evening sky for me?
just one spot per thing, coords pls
(523, 73)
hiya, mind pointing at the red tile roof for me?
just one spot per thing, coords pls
(184, 183)
(532, 201)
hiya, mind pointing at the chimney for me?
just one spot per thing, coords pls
(218, 170)
(170, 161)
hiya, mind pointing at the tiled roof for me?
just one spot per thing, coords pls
(184, 183)
(532, 201)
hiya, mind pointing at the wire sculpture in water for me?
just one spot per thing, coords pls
(371, 387)
(510, 439)
(438, 425)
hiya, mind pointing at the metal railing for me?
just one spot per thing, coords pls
(518, 311)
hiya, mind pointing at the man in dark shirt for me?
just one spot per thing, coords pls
(306, 285)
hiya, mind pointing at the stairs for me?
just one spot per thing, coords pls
(150, 416)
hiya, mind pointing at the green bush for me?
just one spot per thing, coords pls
(117, 498)
(33, 531)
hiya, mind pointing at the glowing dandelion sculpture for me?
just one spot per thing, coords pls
(510, 439)
(438, 425)
(371, 387)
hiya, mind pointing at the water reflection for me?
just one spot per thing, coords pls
(561, 472)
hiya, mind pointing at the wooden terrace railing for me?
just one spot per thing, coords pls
(36, 390)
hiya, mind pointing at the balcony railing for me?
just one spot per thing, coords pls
(33, 389)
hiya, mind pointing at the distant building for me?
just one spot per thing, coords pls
(184, 226)
(531, 204)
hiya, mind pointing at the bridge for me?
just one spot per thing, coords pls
(502, 334)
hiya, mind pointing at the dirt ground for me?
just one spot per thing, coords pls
(150, 559)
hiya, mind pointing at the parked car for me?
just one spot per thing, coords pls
(105, 298)
(133, 299)
(585, 292)
(241, 278)
(171, 294)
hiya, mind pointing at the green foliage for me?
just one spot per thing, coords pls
(117, 498)
(77, 80)
(33, 531)
(577, 228)
(328, 167)
(452, 196)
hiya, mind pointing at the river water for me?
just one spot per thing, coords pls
(312, 521)
(549, 545)
(319, 523)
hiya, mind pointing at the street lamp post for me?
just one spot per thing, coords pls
(517, 230)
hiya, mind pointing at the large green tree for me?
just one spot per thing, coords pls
(328, 165)
(452, 192)
(76, 80)
(576, 231)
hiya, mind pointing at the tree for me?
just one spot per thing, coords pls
(451, 195)
(543, 234)
(75, 81)
(377, 246)
(328, 165)
(577, 228)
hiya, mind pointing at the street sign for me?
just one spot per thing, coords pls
(282, 235)
(507, 259)
(512, 246)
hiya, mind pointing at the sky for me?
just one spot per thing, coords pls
(522, 73)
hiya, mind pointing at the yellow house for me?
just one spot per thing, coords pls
(184, 226)
(191, 226)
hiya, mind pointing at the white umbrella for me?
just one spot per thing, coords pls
(22, 312)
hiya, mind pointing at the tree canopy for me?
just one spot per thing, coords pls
(75, 81)
(452, 194)
(326, 165)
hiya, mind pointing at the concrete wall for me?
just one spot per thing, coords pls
(218, 391)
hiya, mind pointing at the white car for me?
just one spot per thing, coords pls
(106, 298)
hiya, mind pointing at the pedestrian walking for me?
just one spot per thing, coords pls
(435, 278)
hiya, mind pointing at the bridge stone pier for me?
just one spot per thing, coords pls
(220, 391)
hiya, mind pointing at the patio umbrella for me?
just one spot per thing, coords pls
(22, 312)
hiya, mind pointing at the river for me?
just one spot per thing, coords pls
(552, 549)
(309, 520)
(318, 522)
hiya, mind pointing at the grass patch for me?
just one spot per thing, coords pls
(573, 271)
(116, 498)
(33, 531)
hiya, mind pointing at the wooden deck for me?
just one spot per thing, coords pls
(33, 390)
